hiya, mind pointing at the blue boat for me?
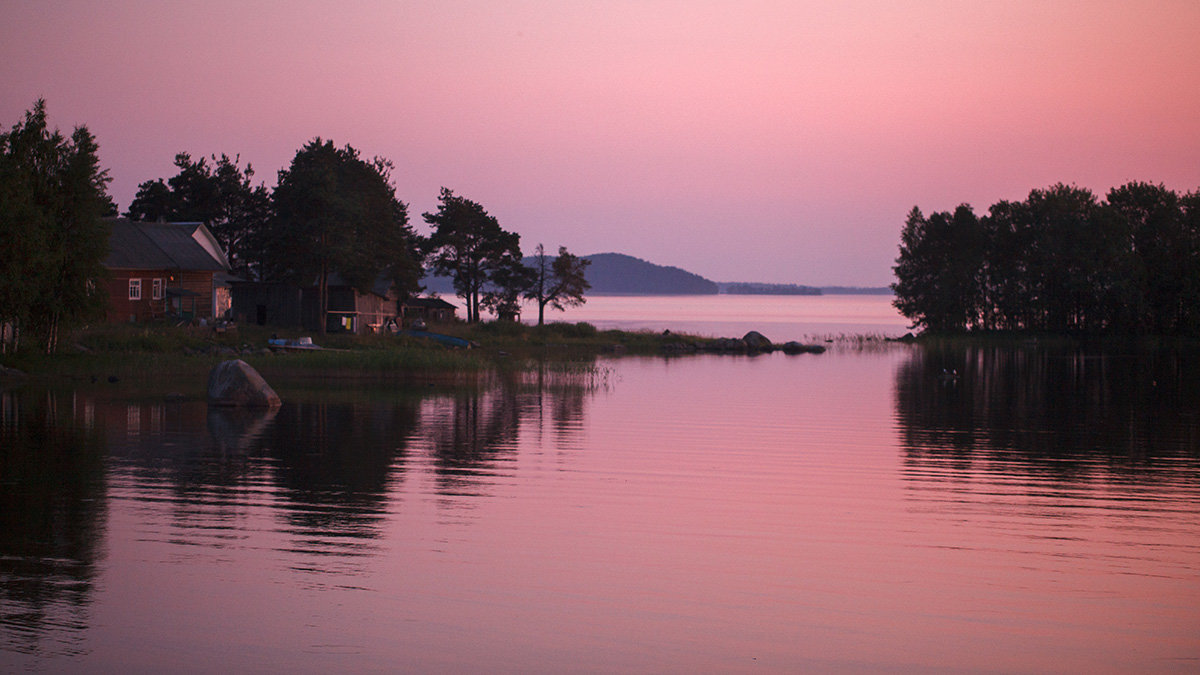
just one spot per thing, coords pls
(448, 340)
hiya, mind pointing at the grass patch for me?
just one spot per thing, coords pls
(157, 351)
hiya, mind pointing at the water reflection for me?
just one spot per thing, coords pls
(473, 431)
(333, 465)
(1069, 413)
(52, 513)
(308, 487)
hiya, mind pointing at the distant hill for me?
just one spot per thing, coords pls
(620, 274)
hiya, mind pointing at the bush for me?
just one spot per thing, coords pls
(502, 328)
(582, 329)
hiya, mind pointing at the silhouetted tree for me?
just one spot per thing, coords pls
(153, 203)
(1167, 251)
(469, 245)
(939, 270)
(560, 283)
(221, 196)
(1005, 291)
(335, 212)
(1189, 298)
(53, 194)
(502, 295)
(1060, 261)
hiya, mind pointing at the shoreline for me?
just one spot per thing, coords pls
(158, 351)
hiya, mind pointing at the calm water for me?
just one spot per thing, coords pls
(780, 318)
(852, 511)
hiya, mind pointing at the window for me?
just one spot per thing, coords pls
(135, 289)
(158, 289)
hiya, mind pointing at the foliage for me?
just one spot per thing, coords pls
(938, 269)
(337, 213)
(1060, 261)
(221, 196)
(581, 329)
(483, 259)
(503, 295)
(52, 197)
(560, 283)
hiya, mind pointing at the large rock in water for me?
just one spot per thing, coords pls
(236, 383)
(756, 341)
(794, 347)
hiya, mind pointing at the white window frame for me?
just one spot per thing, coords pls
(135, 289)
(157, 290)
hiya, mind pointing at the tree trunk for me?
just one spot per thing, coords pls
(323, 300)
(52, 334)
(541, 312)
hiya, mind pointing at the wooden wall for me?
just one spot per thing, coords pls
(121, 309)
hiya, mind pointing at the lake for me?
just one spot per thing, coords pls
(779, 317)
(878, 507)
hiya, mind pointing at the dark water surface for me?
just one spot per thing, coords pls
(853, 511)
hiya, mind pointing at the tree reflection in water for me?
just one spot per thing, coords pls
(473, 430)
(1068, 412)
(52, 514)
(325, 468)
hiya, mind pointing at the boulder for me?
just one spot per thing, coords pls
(794, 347)
(725, 345)
(236, 383)
(756, 341)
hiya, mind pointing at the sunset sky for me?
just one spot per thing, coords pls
(745, 141)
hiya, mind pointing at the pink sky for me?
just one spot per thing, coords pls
(744, 141)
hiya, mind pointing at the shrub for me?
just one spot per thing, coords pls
(564, 329)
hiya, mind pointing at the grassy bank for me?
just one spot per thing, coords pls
(162, 350)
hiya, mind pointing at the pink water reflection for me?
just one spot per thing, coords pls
(700, 514)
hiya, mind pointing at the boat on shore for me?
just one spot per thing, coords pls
(448, 340)
(301, 344)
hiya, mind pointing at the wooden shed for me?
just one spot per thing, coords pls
(429, 309)
(277, 303)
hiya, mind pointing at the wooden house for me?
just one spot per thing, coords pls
(160, 270)
(276, 303)
(428, 309)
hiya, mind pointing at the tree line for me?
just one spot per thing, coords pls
(53, 195)
(333, 211)
(1061, 261)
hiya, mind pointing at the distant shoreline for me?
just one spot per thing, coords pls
(616, 274)
(820, 290)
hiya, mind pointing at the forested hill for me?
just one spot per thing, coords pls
(620, 274)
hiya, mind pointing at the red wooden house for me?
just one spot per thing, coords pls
(159, 270)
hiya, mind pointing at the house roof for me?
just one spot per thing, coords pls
(381, 287)
(149, 246)
(428, 303)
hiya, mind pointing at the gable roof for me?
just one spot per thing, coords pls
(381, 287)
(428, 303)
(148, 246)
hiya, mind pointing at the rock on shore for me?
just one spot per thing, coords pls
(237, 384)
(756, 342)
(753, 342)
